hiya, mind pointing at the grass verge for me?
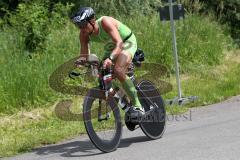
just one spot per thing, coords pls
(211, 84)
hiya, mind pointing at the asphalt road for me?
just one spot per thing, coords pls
(204, 133)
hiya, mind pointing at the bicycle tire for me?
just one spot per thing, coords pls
(155, 127)
(105, 146)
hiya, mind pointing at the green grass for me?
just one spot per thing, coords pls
(22, 131)
(212, 84)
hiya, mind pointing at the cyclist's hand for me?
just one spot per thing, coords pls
(107, 63)
(80, 61)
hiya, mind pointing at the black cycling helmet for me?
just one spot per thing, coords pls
(83, 16)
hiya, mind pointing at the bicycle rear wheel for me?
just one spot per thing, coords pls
(105, 134)
(153, 123)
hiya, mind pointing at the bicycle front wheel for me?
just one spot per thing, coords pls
(102, 120)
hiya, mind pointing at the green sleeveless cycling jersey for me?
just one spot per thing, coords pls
(104, 37)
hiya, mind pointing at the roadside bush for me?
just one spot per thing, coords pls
(228, 12)
(32, 21)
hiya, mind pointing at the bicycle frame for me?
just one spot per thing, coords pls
(105, 77)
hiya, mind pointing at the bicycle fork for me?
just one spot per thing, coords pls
(100, 116)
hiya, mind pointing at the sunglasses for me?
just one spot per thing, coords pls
(82, 24)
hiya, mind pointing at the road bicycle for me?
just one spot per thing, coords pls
(101, 113)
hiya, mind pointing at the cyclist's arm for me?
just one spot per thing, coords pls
(112, 30)
(84, 42)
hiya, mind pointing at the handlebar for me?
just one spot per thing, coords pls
(86, 63)
(80, 64)
(90, 65)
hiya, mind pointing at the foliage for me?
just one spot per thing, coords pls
(7, 5)
(32, 21)
(193, 6)
(228, 12)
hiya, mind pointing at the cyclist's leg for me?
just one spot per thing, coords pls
(121, 65)
(120, 69)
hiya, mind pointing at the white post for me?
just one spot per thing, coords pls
(175, 49)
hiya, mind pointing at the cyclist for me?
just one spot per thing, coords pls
(119, 51)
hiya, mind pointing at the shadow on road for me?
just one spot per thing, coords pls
(83, 148)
